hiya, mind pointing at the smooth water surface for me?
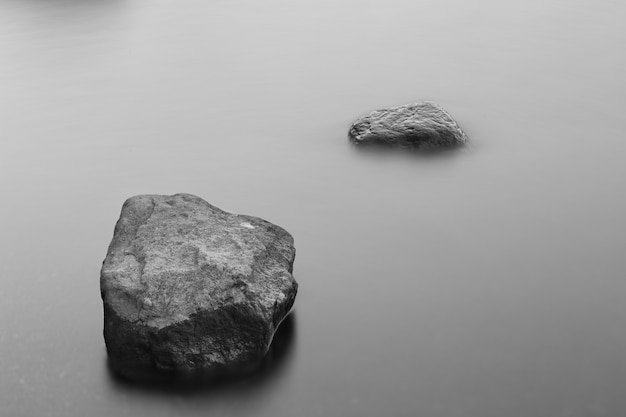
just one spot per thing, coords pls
(486, 282)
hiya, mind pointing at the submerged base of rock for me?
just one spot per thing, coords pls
(269, 365)
(425, 126)
(188, 288)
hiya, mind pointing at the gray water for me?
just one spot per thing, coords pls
(486, 282)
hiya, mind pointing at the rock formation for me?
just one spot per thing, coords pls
(190, 288)
(420, 126)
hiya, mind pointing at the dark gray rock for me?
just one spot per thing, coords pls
(189, 287)
(420, 125)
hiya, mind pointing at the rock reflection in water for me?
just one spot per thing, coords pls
(269, 368)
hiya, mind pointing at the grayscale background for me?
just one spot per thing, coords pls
(486, 282)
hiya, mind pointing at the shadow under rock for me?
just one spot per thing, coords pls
(269, 368)
(386, 149)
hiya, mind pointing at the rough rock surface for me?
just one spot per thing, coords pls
(423, 125)
(189, 287)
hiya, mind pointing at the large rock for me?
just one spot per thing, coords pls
(189, 287)
(420, 125)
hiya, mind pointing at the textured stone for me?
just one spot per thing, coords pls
(420, 125)
(189, 287)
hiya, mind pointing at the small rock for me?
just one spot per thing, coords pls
(420, 125)
(189, 287)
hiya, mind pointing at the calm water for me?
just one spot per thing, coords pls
(485, 283)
